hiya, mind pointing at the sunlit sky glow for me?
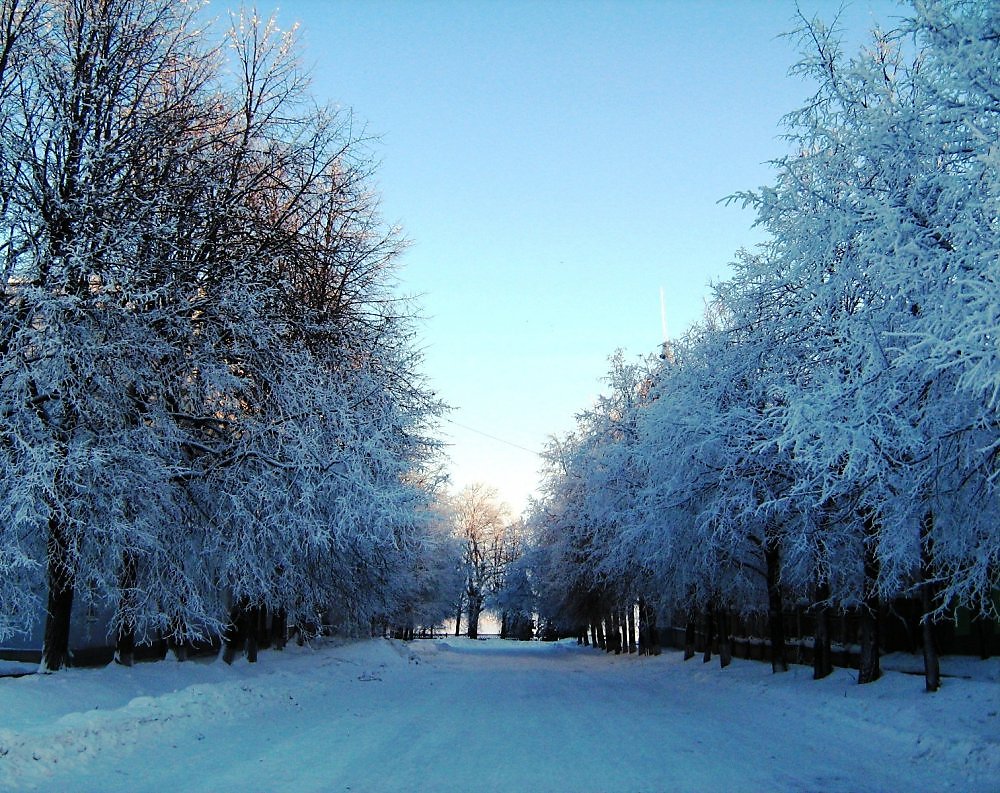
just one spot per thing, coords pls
(554, 165)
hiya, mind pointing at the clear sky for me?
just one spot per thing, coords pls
(554, 165)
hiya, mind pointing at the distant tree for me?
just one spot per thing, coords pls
(426, 593)
(510, 593)
(586, 573)
(481, 524)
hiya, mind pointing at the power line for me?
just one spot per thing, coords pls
(494, 437)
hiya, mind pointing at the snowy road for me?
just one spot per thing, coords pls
(494, 716)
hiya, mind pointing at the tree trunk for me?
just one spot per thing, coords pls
(55, 644)
(775, 617)
(616, 631)
(643, 628)
(602, 640)
(725, 639)
(932, 665)
(983, 634)
(709, 633)
(475, 608)
(125, 639)
(177, 647)
(869, 667)
(279, 628)
(263, 631)
(458, 618)
(689, 638)
(630, 622)
(252, 620)
(235, 637)
(822, 654)
(125, 646)
(654, 632)
(593, 635)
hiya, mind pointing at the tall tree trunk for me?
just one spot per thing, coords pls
(616, 631)
(252, 620)
(125, 646)
(235, 637)
(279, 628)
(822, 653)
(775, 607)
(689, 637)
(475, 608)
(178, 647)
(654, 632)
(61, 575)
(458, 618)
(869, 666)
(725, 638)
(263, 632)
(932, 665)
(602, 640)
(983, 633)
(709, 633)
(593, 634)
(630, 623)
(125, 639)
(643, 628)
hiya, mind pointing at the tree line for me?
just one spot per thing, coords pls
(213, 420)
(829, 433)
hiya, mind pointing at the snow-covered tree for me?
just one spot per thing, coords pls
(874, 247)
(211, 401)
(482, 525)
(588, 574)
(829, 432)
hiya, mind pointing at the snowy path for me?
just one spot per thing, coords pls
(463, 716)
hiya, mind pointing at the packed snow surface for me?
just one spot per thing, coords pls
(460, 715)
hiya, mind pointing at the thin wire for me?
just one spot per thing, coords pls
(494, 438)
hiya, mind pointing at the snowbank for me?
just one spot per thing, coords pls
(455, 714)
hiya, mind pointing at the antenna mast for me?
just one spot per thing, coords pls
(663, 317)
(668, 353)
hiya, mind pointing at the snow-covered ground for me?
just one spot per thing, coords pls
(460, 715)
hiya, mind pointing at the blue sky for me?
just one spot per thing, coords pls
(554, 165)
